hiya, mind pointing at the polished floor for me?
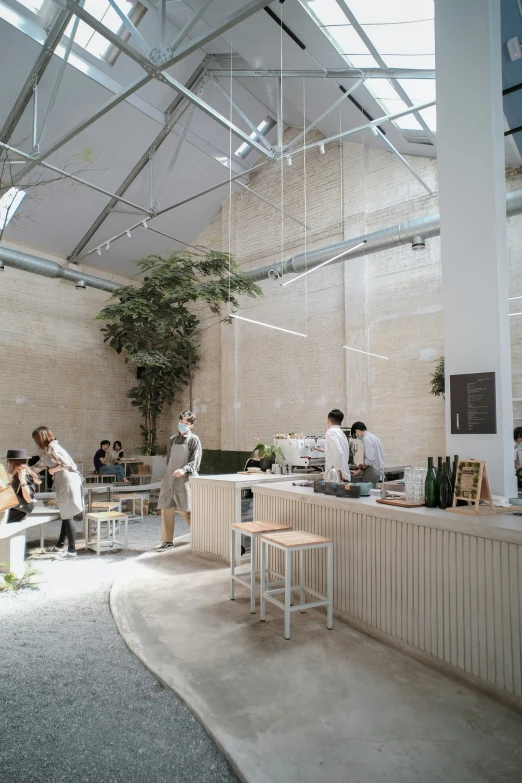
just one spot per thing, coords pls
(76, 706)
(324, 707)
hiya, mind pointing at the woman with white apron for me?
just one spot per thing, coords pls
(67, 485)
(183, 461)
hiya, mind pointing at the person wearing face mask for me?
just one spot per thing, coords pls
(183, 461)
(372, 468)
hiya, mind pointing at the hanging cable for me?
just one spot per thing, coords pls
(230, 177)
(305, 206)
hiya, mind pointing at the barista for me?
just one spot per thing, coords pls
(517, 437)
(372, 467)
(336, 449)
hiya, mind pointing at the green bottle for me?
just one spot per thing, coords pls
(454, 472)
(430, 497)
(445, 494)
(437, 479)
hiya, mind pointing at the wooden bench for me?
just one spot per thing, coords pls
(13, 538)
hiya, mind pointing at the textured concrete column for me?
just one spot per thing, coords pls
(470, 151)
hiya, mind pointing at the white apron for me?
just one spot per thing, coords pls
(175, 492)
(68, 488)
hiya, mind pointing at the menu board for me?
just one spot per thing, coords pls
(473, 404)
(468, 480)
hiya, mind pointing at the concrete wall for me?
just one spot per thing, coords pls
(56, 370)
(254, 382)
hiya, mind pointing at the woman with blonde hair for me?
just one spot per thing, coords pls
(67, 485)
(23, 482)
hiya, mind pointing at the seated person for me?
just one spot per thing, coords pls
(103, 466)
(117, 452)
(372, 468)
(23, 481)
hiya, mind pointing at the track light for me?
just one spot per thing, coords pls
(81, 284)
(289, 161)
(144, 224)
(374, 130)
(98, 250)
(418, 243)
(108, 246)
(322, 150)
(128, 233)
(1, 266)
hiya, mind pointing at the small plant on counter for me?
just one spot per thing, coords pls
(438, 379)
(267, 451)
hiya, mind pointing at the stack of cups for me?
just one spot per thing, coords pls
(408, 485)
(419, 481)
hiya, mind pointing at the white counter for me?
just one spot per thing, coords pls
(216, 503)
(446, 585)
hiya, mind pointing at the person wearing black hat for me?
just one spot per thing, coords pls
(23, 481)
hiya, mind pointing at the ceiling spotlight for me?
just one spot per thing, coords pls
(322, 150)
(128, 233)
(98, 250)
(289, 161)
(374, 130)
(144, 224)
(81, 284)
(108, 246)
(418, 243)
(1, 266)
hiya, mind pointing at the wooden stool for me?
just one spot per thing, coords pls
(133, 497)
(138, 478)
(254, 530)
(105, 505)
(113, 519)
(93, 478)
(289, 542)
(107, 478)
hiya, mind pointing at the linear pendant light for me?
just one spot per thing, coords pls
(378, 356)
(512, 314)
(329, 261)
(269, 326)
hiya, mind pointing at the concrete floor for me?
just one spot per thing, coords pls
(324, 707)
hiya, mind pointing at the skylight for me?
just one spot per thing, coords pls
(402, 36)
(86, 37)
(264, 127)
(9, 203)
(33, 5)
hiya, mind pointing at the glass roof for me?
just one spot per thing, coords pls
(85, 36)
(400, 35)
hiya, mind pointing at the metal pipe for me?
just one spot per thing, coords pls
(384, 239)
(42, 266)
(330, 73)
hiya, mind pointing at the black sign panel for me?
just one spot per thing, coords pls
(473, 404)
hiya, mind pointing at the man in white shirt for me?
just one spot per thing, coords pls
(337, 449)
(372, 469)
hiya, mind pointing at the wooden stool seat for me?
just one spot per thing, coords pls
(113, 519)
(131, 497)
(253, 530)
(295, 538)
(260, 527)
(104, 505)
(101, 516)
(127, 495)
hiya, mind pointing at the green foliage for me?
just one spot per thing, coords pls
(267, 451)
(438, 380)
(11, 583)
(155, 327)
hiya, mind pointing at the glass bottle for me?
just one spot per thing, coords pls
(449, 471)
(454, 472)
(438, 477)
(430, 497)
(445, 496)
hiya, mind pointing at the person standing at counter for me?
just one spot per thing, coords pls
(183, 461)
(372, 469)
(336, 449)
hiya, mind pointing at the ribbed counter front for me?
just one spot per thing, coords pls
(447, 585)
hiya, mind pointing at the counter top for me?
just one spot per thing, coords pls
(500, 527)
(242, 478)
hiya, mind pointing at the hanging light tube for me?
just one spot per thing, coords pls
(378, 356)
(329, 261)
(269, 326)
(512, 314)
(510, 298)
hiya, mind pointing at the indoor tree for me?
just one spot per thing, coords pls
(155, 324)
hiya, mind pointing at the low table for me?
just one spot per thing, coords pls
(13, 538)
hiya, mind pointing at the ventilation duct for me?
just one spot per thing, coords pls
(41, 266)
(385, 239)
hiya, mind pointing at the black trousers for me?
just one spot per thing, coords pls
(68, 530)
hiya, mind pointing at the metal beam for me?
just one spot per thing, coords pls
(325, 113)
(133, 30)
(37, 71)
(277, 209)
(175, 111)
(372, 124)
(178, 40)
(196, 43)
(371, 48)
(331, 73)
(242, 114)
(161, 8)
(73, 177)
(174, 158)
(404, 161)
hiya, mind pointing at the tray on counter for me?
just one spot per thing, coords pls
(398, 502)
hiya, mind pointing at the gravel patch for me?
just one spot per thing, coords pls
(76, 705)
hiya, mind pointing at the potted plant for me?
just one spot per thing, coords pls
(267, 454)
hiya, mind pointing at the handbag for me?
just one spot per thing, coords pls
(8, 498)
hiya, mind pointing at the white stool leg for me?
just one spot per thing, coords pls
(262, 575)
(253, 558)
(302, 570)
(329, 594)
(98, 526)
(126, 523)
(142, 501)
(42, 536)
(288, 591)
(232, 564)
